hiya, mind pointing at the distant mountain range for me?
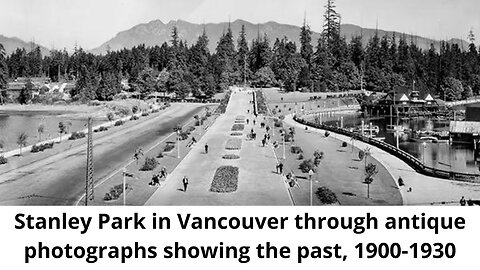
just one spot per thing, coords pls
(12, 43)
(156, 32)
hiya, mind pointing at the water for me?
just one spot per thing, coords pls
(14, 123)
(441, 155)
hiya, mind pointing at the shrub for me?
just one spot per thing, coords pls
(296, 150)
(77, 135)
(155, 111)
(118, 123)
(48, 145)
(122, 110)
(238, 127)
(361, 154)
(145, 114)
(233, 144)
(300, 157)
(160, 155)
(236, 134)
(115, 192)
(169, 147)
(327, 134)
(231, 156)
(225, 179)
(110, 116)
(326, 196)
(41, 147)
(278, 123)
(344, 144)
(134, 117)
(100, 129)
(3, 160)
(150, 164)
(190, 129)
(306, 166)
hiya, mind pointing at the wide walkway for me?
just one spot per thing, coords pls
(258, 184)
(425, 190)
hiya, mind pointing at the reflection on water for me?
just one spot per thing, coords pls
(14, 123)
(441, 155)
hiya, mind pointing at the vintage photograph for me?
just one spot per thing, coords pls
(212, 103)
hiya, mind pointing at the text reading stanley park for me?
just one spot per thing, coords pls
(241, 253)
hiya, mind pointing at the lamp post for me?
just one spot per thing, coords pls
(424, 146)
(284, 133)
(178, 143)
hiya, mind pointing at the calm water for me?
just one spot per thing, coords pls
(441, 155)
(14, 123)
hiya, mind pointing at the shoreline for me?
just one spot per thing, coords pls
(426, 190)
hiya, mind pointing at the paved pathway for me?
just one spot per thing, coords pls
(258, 184)
(425, 190)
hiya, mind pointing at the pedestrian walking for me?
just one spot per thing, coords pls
(247, 121)
(310, 174)
(280, 167)
(268, 137)
(263, 142)
(463, 202)
(185, 183)
(164, 172)
(254, 122)
(206, 148)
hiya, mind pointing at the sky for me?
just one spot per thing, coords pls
(89, 23)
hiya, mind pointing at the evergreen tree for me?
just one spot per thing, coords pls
(242, 54)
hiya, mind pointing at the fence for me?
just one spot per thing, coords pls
(404, 156)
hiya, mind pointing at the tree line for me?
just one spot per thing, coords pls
(329, 64)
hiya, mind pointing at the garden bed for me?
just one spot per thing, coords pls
(231, 156)
(233, 144)
(236, 134)
(225, 179)
(115, 193)
(238, 127)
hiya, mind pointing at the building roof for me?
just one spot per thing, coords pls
(465, 127)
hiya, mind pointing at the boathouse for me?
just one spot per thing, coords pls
(465, 131)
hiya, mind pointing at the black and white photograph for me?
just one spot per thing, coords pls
(240, 103)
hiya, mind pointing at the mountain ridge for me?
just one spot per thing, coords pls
(12, 43)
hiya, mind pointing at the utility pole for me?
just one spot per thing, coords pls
(89, 195)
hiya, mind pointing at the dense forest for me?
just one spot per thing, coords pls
(329, 64)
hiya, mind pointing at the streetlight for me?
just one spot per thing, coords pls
(125, 175)
(424, 146)
(178, 143)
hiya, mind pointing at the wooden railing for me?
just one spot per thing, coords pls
(404, 156)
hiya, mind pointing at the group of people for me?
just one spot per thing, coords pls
(156, 177)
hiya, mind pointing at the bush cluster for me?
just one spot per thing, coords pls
(296, 149)
(169, 147)
(150, 164)
(41, 147)
(100, 129)
(119, 123)
(223, 104)
(326, 196)
(145, 113)
(77, 135)
(134, 117)
(114, 192)
(225, 179)
(306, 166)
(3, 160)
(344, 144)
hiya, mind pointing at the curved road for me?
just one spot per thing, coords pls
(60, 179)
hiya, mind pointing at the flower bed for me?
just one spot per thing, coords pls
(225, 179)
(236, 134)
(240, 117)
(231, 156)
(233, 144)
(238, 127)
